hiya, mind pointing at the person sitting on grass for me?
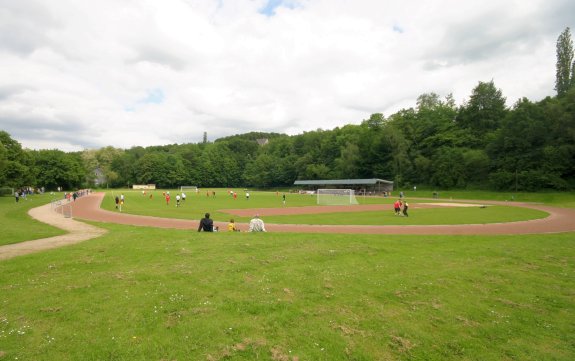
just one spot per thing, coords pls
(232, 226)
(206, 224)
(257, 225)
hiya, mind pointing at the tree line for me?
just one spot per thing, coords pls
(479, 144)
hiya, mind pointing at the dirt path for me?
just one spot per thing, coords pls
(88, 207)
(78, 232)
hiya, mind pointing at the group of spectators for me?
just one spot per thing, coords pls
(69, 196)
(25, 191)
(207, 225)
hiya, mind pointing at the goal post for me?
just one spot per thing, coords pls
(184, 188)
(6, 191)
(336, 197)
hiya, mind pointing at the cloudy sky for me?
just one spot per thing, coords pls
(78, 74)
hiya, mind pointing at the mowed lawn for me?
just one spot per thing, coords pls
(197, 205)
(153, 294)
(17, 226)
(141, 293)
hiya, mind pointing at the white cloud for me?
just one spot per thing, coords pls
(76, 74)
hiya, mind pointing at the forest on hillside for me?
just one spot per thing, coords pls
(481, 144)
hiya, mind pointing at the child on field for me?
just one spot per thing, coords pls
(232, 226)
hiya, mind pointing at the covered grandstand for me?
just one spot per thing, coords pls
(361, 186)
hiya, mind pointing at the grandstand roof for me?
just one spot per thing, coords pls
(370, 181)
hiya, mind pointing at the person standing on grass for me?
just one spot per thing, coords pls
(284, 199)
(177, 200)
(183, 197)
(117, 200)
(206, 224)
(257, 225)
(405, 207)
(167, 199)
(396, 207)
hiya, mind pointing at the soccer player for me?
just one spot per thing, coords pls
(397, 207)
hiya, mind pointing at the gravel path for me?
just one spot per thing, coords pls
(77, 232)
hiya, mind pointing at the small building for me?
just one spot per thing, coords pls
(144, 186)
(99, 177)
(361, 186)
(262, 141)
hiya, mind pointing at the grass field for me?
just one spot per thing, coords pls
(153, 294)
(196, 206)
(17, 225)
(558, 199)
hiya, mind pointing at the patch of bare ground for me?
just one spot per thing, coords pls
(401, 344)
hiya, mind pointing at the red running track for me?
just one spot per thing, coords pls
(559, 220)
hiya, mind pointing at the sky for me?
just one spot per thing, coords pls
(78, 74)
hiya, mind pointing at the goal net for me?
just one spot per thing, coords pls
(185, 188)
(6, 191)
(336, 197)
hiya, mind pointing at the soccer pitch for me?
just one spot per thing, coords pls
(222, 205)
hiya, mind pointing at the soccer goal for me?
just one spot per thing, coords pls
(336, 197)
(185, 188)
(6, 191)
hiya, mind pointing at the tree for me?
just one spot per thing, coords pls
(428, 101)
(260, 172)
(565, 68)
(55, 168)
(483, 114)
(448, 168)
(348, 162)
(375, 121)
(14, 163)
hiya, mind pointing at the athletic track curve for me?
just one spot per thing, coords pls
(559, 220)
